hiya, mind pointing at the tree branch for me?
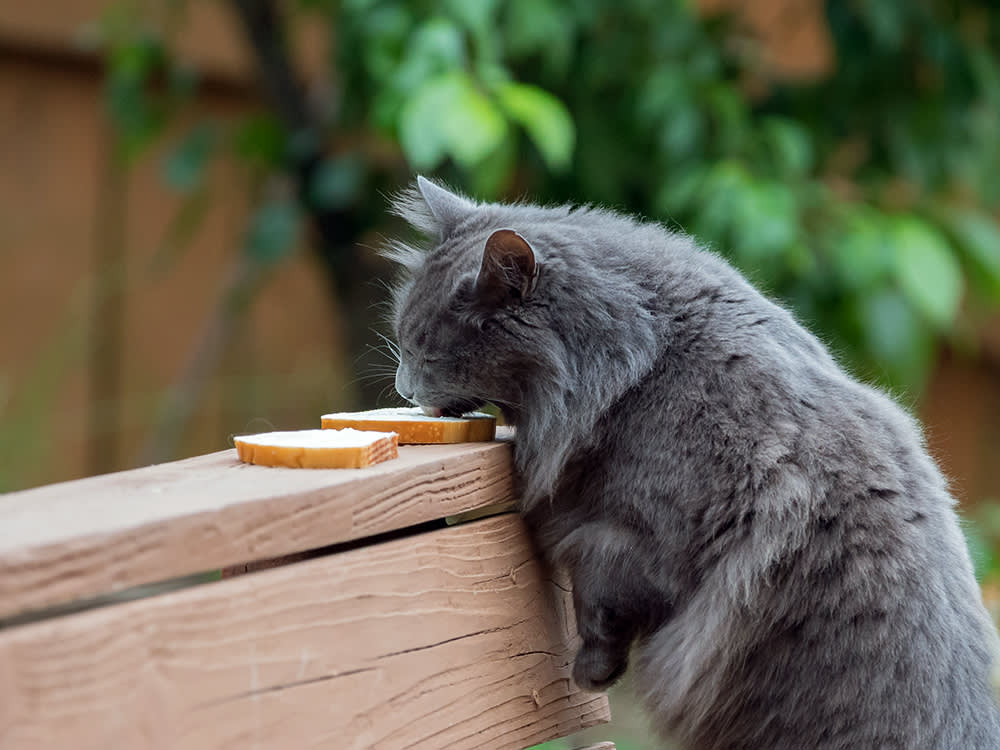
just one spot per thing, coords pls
(263, 29)
(348, 277)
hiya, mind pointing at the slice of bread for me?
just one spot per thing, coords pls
(317, 449)
(415, 427)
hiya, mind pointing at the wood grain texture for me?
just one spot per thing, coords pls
(99, 535)
(448, 639)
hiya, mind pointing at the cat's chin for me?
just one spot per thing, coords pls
(452, 408)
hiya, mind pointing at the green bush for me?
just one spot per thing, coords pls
(644, 105)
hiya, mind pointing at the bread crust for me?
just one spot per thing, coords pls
(254, 449)
(414, 428)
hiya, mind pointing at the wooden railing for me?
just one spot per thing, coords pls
(369, 613)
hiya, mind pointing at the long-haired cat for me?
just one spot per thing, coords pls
(766, 537)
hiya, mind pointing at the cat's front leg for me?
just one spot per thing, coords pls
(614, 599)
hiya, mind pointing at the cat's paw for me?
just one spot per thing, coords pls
(596, 669)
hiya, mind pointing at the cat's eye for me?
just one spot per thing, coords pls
(409, 349)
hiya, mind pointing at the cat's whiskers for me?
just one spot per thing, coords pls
(375, 373)
(392, 346)
(389, 389)
(369, 377)
(384, 370)
(384, 351)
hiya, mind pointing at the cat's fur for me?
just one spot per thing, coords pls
(770, 535)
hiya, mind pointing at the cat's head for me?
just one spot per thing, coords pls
(470, 318)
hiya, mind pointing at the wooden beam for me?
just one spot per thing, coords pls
(210, 42)
(99, 535)
(449, 639)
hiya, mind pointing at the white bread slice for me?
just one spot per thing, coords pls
(317, 449)
(414, 427)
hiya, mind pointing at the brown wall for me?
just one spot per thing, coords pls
(794, 42)
(962, 418)
(54, 212)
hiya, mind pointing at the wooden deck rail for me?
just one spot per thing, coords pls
(396, 630)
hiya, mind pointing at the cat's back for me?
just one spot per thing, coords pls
(815, 515)
(854, 619)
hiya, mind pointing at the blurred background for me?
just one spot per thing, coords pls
(191, 196)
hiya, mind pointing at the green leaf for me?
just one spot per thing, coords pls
(138, 118)
(387, 20)
(475, 126)
(260, 140)
(544, 117)
(337, 183)
(890, 324)
(860, 248)
(385, 31)
(491, 75)
(984, 560)
(138, 57)
(927, 270)
(718, 201)
(899, 343)
(449, 116)
(420, 129)
(664, 92)
(475, 15)
(678, 193)
(766, 217)
(436, 47)
(908, 155)
(184, 167)
(493, 173)
(886, 22)
(790, 145)
(979, 238)
(542, 27)
(273, 232)
(681, 130)
(730, 114)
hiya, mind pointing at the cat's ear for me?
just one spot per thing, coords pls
(509, 270)
(449, 209)
(430, 208)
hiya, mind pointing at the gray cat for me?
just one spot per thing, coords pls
(768, 538)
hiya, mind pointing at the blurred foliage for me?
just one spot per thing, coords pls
(865, 198)
(982, 533)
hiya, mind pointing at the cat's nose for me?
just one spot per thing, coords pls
(403, 386)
